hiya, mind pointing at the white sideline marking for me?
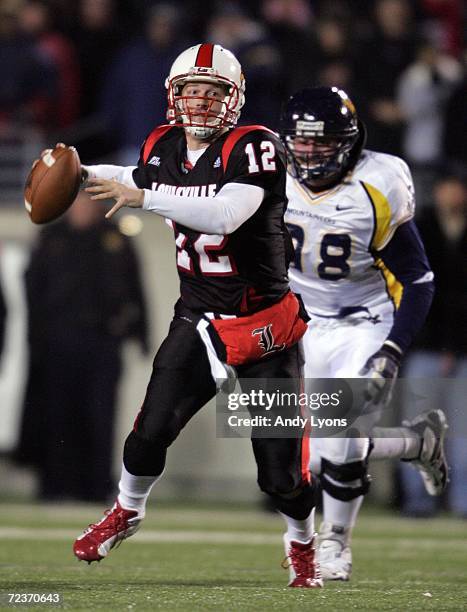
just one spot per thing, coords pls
(151, 536)
(215, 537)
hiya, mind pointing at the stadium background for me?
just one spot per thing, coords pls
(100, 87)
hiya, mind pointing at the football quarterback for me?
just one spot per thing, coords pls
(363, 275)
(222, 191)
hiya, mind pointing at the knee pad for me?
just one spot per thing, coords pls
(276, 481)
(341, 450)
(162, 428)
(143, 457)
(338, 480)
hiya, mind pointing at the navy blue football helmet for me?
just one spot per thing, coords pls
(322, 134)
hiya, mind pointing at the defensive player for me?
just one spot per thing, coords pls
(362, 272)
(222, 189)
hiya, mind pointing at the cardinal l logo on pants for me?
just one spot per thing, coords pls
(266, 341)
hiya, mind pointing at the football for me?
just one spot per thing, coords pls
(52, 184)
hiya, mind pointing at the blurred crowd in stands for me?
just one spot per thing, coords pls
(91, 73)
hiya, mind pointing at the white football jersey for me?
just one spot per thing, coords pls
(337, 234)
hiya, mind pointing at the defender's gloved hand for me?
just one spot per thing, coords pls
(381, 371)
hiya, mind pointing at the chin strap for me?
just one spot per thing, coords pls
(203, 133)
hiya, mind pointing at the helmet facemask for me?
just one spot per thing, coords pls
(318, 160)
(203, 116)
(323, 136)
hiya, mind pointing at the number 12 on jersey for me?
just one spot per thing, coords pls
(266, 162)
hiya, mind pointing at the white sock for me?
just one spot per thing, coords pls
(340, 516)
(315, 458)
(395, 443)
(300, 531)
(134, 491)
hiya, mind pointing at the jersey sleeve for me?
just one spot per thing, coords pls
(393, 200)
(141, 175)
(258, 158)
(405, 258)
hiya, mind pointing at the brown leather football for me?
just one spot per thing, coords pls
(52, 184)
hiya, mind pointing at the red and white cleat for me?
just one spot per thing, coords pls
(97, 541)
(303, 566)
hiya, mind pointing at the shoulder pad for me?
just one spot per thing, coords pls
(153, 137)
(235, 136)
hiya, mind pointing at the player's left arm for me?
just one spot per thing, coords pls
(405, 257)
(402, 253)
(221, 214)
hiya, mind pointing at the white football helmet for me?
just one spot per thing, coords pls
(206, 63)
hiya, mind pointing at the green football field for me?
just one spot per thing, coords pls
(202, 558)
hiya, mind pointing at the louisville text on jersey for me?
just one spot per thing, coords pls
(190, 191)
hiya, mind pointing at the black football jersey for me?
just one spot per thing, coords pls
(247, 269)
